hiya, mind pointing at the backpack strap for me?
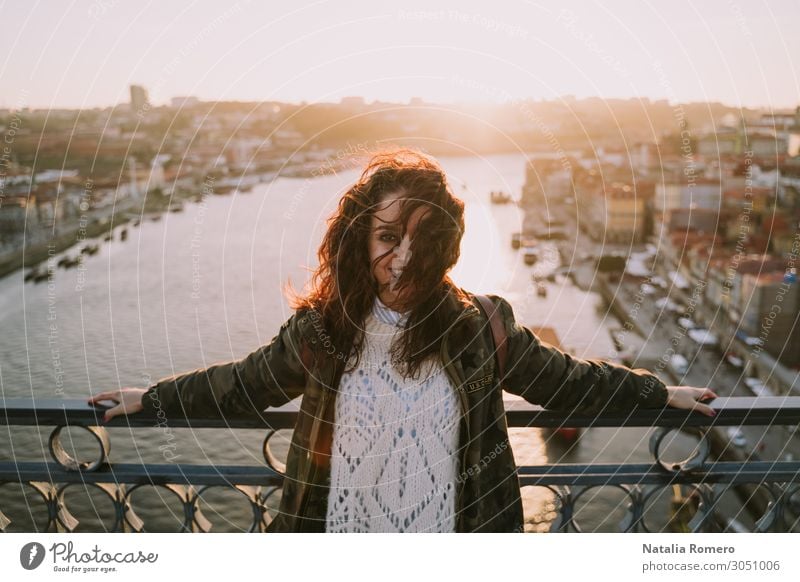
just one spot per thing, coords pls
(492, 312)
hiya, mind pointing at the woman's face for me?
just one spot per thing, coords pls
(384, 237)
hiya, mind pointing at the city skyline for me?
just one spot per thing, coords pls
(87, 56)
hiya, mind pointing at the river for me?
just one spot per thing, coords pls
(205, 285)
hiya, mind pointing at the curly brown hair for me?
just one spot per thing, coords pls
(343, 289)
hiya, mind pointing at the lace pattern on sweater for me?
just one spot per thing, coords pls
(394, 459)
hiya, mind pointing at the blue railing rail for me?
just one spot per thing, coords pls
(769, 489)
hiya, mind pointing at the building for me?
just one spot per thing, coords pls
(674, 246)
(770, 303)
(618, 214)
(696, 219)
(352, 102)
(725, 142)
(767, 145)
(140, 101)
(14, 213)
(536, 191)
(183, 102)
(645, 157)
(246, 152)
(674, 193)
(738, 268)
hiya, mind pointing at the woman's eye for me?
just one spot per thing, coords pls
(387, 238)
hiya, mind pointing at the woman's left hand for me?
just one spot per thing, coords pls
(689, 398)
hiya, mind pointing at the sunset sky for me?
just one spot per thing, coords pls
(84, 54)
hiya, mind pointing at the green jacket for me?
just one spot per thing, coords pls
(488, 494)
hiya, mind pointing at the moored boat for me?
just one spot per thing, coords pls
(499, 197)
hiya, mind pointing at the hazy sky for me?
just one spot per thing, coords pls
(87, 53)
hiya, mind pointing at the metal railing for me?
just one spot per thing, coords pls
(769, 489)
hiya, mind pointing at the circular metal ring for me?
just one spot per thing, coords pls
(708, 495)
(270, 458)
(790, 491)
(69, 522)
(769, 518)
(266, 493)
(45, 490)
(772, 517)
(180, 491)
(650, 491)
(250, 492)
(694, 462)
(561, 521)
(628, 522)
(67, 462)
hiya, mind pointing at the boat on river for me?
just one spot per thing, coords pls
(499, 197)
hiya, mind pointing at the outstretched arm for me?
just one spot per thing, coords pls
(272, 375)
(544, 375)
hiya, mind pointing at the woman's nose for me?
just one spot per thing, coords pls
(403, 250)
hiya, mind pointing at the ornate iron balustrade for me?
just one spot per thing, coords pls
(777, 482)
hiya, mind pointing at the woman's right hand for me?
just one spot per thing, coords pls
(690, 398)
(129, 401)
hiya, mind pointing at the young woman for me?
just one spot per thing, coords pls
(401, 425)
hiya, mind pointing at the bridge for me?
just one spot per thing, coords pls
(769, 490)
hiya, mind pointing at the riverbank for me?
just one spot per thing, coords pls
(35, 254)
(98, 226)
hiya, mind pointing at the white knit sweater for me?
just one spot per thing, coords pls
(393, 458)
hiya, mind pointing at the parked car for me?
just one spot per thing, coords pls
(680, 365)
(736, 436)
(659, 282)
(752, 382)
(647, 289)
(734, 361)
(703, 337)
(757, 387)
(667, 304)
